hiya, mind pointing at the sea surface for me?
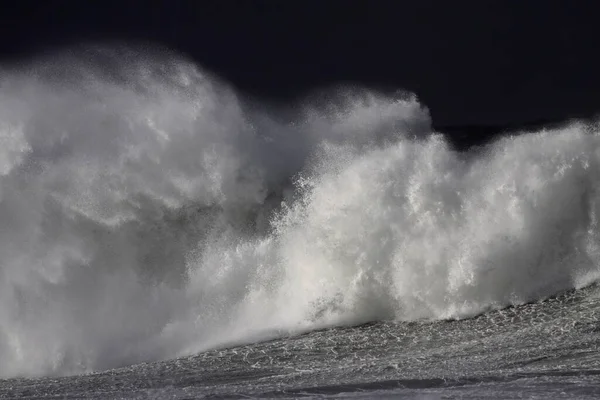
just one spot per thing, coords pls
(163, 236)
(548, 349)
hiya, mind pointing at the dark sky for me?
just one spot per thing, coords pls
(471, 62)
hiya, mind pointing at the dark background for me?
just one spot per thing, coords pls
(480, 62)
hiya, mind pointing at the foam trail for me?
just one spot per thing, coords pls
(147, 212)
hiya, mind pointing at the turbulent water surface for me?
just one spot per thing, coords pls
(163, 236)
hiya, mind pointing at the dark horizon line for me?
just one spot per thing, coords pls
(470, 135)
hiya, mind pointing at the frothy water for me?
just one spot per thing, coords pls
(147, 212)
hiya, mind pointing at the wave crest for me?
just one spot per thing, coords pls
(146, 212)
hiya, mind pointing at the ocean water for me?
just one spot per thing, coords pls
(163, 236)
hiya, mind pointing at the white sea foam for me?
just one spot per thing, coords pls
(147, 212)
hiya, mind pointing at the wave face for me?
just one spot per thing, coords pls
(147, 212)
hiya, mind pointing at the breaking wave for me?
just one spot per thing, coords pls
(147, 212)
